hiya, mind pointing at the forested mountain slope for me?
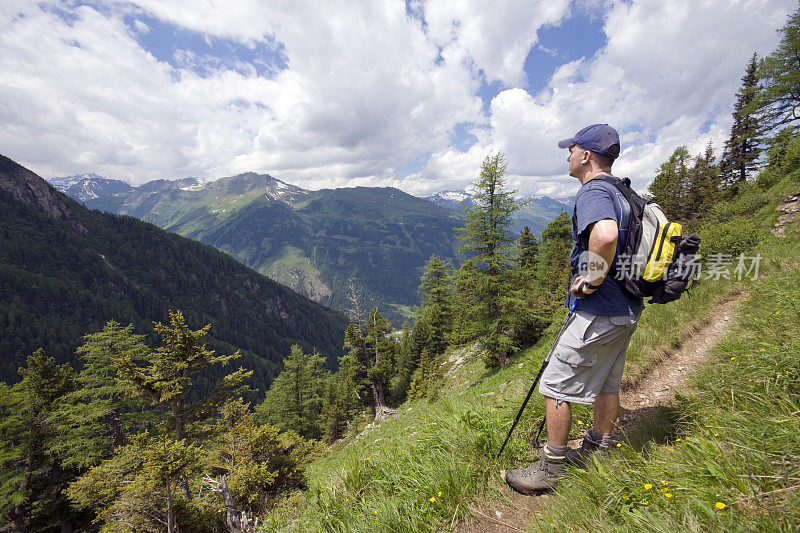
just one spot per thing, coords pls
(65, 270)
(312, 241)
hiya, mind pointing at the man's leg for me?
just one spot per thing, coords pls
(544, 474)
(559, 421)
(606, 411)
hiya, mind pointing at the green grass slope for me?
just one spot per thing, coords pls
(738, 424)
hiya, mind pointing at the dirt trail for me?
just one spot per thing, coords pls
(655, 389)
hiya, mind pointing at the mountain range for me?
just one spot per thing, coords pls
(312, 241)
(65, 270)
(536, 212)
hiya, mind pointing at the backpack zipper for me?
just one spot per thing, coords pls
(663, 238)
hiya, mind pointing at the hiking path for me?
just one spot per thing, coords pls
(656, 389)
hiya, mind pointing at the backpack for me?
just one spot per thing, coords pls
(656, 259)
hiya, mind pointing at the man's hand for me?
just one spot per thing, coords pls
(579, 288)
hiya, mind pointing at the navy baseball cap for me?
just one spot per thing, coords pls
(599, 138)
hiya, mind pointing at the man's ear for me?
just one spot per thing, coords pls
(587, 155)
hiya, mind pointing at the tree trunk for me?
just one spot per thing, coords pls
(116, 429)
(379, 397)
(178, 417)
(172, 527)
(231, 516)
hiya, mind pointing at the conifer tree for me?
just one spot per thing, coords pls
(742, 148)
(137, 489)
(92, 420)
(487, 236)
(706, 187)
(405, 364)
(532, 313)
(164, 376)
(343, 391)
(437, 305)
(32, 479)
(527, 249)
(668, 188)
(553, 269)
(294, 401)
(370, 351)
(779, 99)
(251, 465)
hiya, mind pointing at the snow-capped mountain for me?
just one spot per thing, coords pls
(537, 213)
(89, 186)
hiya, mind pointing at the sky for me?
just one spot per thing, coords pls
(410, 94)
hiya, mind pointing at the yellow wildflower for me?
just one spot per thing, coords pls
(733, 358)
(664, 489)
(668, 495)
(580, 422)
(763, 350)
(366, 458)
(720, 505)
(665, 483)
(433, 499)
(648, 486)
(416, 490)
(644, 502)
(777, 312)
(625, 498)
(677, 440)
(619, 445)
(376, 511)
(440, 494)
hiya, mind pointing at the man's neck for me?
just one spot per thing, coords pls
(592, 174)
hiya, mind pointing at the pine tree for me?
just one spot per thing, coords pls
(531, 315)
(779, 100)
(437, 302)
(487, 236)
(405, 365)
(164, 376)
(740, 157)
(294, 401)
(137, 489)
(706, 184)
(553, 270)
(371, 353)
(92, 419)
(251, 465)
(32, 479)
(527, 249)
(668, 188)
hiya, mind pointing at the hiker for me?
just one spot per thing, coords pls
(589, 355)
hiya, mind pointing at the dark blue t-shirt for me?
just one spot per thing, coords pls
(598, 200)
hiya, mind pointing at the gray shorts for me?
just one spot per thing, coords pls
(589, 358)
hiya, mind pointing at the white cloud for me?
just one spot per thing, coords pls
(368, 88)
(666, 77)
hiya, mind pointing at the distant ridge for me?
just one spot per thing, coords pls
(66, 270)
(537, 214)
(311, 241)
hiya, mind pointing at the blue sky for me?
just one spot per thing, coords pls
(401, 93)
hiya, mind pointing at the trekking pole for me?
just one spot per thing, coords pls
(536, 380)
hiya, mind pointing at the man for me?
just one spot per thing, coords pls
(589, 356)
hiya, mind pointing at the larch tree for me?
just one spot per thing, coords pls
(778, 100)
(33, 479)
(743, 146)
(370, 352)
(294, 400)
(488, 238)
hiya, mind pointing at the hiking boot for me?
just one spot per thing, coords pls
(540, 476)
(592, 443)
